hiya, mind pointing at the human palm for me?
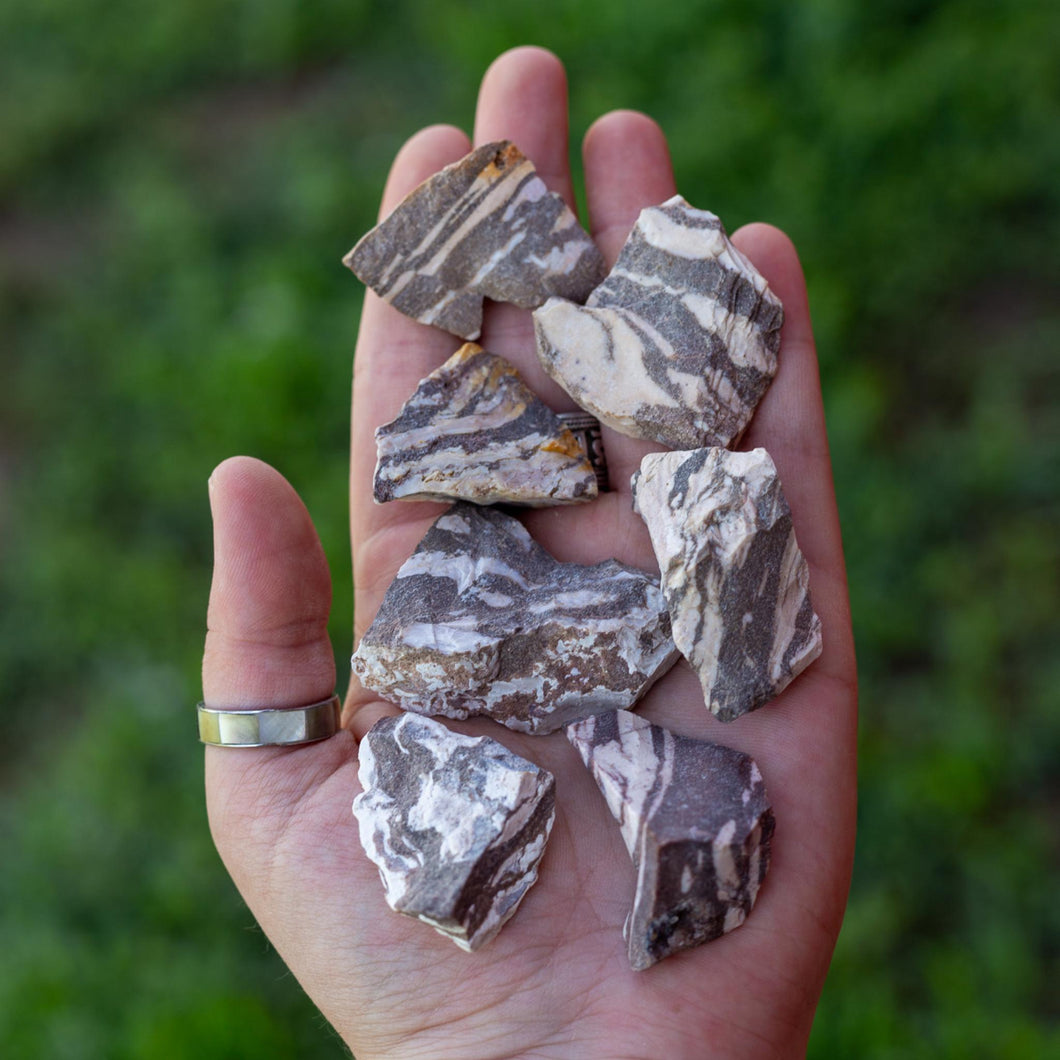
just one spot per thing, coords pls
(556, 980)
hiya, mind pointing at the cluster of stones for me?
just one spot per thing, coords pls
(676, 344)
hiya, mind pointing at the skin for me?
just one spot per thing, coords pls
(556, 981)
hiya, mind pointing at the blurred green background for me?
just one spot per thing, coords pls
(177, 185)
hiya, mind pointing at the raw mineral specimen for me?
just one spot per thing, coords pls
(457, 825)
(474, 431)
(680, 341)
(696, 822)
(735, 581)
(586, 429)
(482, 620)
(485, 226)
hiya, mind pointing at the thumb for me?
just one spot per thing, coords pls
(267, 641)
(267, 646)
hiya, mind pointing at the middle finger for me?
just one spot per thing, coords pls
(523, 98)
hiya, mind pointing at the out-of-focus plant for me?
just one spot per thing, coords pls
(177, 185)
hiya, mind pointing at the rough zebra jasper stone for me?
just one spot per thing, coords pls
(474, 431)
(696, 821)
(735, 581)
(486, 226)
(680, 341)
(482, 620)
(455, 824)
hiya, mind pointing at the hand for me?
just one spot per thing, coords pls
(556, 981)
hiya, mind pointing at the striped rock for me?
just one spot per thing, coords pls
(456, 825)
(474, 431)
(734, 579)
(485, 226)
(680, 341)
(696, 821)
(482, 620)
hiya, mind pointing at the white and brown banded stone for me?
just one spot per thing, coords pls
(736, 583)
(696, 821)
(482, 620)
(456, 824)
(680, 341)
(484, 227)
(474, 431)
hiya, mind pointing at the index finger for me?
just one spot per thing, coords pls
(393, 354)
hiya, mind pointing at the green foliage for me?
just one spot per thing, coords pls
(177, 185)
(118, 929)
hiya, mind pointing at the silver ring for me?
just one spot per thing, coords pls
(269, 727)
(586, 428)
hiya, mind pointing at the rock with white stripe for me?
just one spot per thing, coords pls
(486, 226)
(696, 821)
(680, 341)
(735, 581)
(456, 825)
(482, 620)
(474, 431)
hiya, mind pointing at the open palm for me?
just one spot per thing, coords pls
(556, 981)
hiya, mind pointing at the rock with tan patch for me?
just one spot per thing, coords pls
(474, 431)
(484, 227)
(482, 620)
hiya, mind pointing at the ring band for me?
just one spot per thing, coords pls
(586, 428)
(269, 727)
